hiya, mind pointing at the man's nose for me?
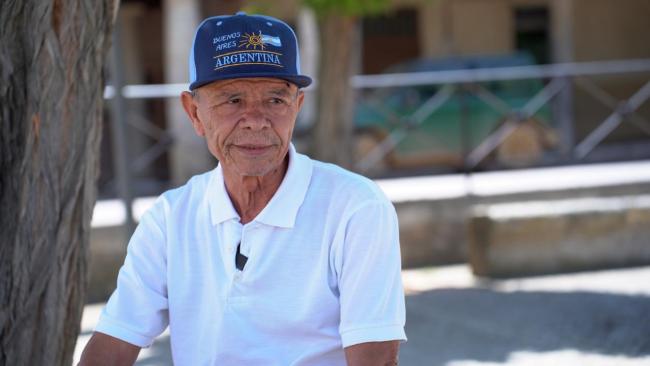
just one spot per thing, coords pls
(254, 116)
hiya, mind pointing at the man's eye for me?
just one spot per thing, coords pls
(277, 101)
(234, 101)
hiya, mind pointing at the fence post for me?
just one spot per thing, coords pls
(563, 51)
(118, 136)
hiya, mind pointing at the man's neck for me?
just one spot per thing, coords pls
(250, 194)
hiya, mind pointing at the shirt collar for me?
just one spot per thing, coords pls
(283, 207)
(221, 208)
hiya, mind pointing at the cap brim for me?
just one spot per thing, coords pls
(301, 81)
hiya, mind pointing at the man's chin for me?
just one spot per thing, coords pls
(256, 169)
(254, 165)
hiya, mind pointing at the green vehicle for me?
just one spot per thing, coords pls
(444, 136)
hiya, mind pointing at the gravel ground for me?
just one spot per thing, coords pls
(453, 319)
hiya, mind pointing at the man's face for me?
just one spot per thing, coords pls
(247, 123)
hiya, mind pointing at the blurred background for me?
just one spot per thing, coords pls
(513, 137)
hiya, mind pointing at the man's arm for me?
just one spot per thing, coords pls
(372, 354)
(104, 350)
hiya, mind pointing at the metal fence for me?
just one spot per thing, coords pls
(559, 80)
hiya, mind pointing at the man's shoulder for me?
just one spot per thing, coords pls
(341, 183)
(189, 193)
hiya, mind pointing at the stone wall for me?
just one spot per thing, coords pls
(538, 237)
(439, 231)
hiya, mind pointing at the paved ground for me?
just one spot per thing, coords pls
(587, 319)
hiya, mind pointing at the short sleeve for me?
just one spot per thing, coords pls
(137, 311)
(369, 277)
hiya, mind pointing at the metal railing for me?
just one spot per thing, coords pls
(560, 78)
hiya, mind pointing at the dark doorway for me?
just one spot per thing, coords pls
(389, 39)
(532, 32)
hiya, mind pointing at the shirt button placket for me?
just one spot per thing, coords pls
(236, 274)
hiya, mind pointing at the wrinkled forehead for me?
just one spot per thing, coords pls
(256, 85)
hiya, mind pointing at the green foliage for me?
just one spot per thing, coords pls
(322, 7)
(259, 7)
(347, 7)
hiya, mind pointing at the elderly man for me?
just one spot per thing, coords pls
(271, 258)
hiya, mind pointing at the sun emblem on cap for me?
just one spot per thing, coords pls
(252, 40)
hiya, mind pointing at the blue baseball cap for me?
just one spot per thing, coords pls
(244, 46)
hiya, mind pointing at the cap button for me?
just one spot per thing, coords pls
(240, 13)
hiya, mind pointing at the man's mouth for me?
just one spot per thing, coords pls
(253, 149)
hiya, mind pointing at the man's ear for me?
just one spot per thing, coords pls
(301, 99)
(191, 108)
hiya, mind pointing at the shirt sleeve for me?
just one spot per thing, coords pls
(137, 310)
(369, 277)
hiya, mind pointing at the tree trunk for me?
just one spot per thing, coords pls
(334, 125)
(51, 88)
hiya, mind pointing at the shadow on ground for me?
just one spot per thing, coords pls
(446, 325)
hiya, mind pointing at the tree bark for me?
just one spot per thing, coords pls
(334, 125)
(51, 88)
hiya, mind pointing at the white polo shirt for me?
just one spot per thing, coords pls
(323, 272)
